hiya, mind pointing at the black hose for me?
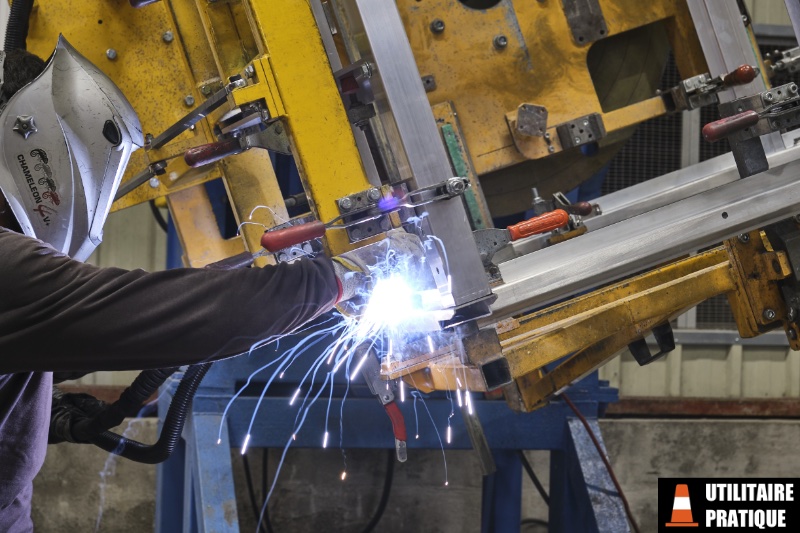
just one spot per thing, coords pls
(534, 478)
(17, 30)
(387, 487)
(160, 220)
(129, 404)
(171, 430)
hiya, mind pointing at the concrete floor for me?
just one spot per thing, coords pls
(311, 497)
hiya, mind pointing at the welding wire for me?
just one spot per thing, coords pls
(458, 396)
(359, 365)
(244, 444)
(294, 396)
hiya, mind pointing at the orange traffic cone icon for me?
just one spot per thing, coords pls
(682, 509)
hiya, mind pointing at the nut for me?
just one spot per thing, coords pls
(206, 90)
(769, 314)
(167, 37)
(374, 195)
(366, 70)
(437, 26)
(111, 54)
(551, 149)
(154, 182)
(577, 140)
(769, 97)
(744, 238)
(500, 42)
(346, 203)
(188, 100)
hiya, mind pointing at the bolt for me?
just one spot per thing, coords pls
(769, 97)
(249, 71)
(547, 136)
(793, 88)
(386, 397)
(282, 257)
(167, 36)
(148, 138)
(769, 314)
(500, 42)
(374, 194)
(307, 248)
(346, 203)
(154, 183)
(437, 26)
(366, 70)
(206, 90)
(551, 149)
(188, 100)
(355, 234)
(744, 238)
(577, 140)
(585, 122)
(111, 54)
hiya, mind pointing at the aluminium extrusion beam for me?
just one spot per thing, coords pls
(661, 191)
(423, 144)
(641, 242)
(727, 45)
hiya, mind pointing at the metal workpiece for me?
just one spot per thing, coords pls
(663, 190)
(481, 349)
(635, 244)
(727, 45)
(422, 143)
(586, 20)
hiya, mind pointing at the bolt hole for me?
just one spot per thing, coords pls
(580, 131)
(358, 198)
(590, 135)
(602, 32)
(724, 214)
(580, 38)
(572, 126)
(779, 93)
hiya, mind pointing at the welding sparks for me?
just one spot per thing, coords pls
(294, 396)
(325, 440)
(245, 443)
(449, 433)
(458, 398)
(359, 365)
(344, 474)
(468, 402)
(430, 343)
(402, 390)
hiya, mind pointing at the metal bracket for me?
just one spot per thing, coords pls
(310, 248)
(665, 340)
(532, 120)
(580, 131)
(586, 20)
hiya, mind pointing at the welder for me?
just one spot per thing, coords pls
(66, 132)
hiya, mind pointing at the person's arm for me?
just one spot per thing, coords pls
(57, 314)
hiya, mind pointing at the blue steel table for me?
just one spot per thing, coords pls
(195, 490)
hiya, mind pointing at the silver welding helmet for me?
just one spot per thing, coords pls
(66, 138)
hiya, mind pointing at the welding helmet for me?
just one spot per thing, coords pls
(65, 139)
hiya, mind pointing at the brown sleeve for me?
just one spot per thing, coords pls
(57, 314)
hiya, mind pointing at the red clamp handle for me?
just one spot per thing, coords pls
(740, 76)
(210, 153)
(272, 241)
(398, 422)
(714, 131)
(541, 224)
